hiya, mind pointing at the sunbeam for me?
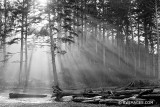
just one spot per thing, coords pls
(80, 49)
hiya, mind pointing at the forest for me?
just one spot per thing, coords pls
(78, 44)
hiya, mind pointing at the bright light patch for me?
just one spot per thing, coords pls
(42, 2)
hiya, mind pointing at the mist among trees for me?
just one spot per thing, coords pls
(98, 39)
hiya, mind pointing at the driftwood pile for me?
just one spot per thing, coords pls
(119, 96)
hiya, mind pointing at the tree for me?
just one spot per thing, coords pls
(157, 31)
(22, 43)
(56, 83)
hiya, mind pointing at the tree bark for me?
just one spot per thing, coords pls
(56, 83)
(96, 39)
(104, 48)
(0, 26)
(21, 54)
(19, 95)
(139, 52)
(158, 50)
(5, 20)
(26, 50)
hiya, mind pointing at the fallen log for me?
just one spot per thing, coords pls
(120, 96)
(137, 85)
(86, 99)
(138, 96)
(156, 97)
(67, 98)
(133, 92)
(90, 94)
(146, 87)
(110, 101)
(145, 92)
(80, 99)
(61, 94)
(126, 92)
(19, 95)
(115, 95)
(93, 101)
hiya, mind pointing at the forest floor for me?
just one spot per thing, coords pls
(62, 104)
(55, 104)
(5, 101)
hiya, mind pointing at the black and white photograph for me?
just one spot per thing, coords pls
(79, 53)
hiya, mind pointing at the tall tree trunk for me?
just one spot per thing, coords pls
(126, 50)
(104, 48)
(146, 46)
(5, 20)
(56, 83)
(96, 39)
(139, 51)
(82, 36)
(26, 50)
(113, 39)
(85, 22)
(158, 50)
(95, 3)
(5, 26)
(4, 37)
(119, 46)
(152, 53)
(130, 18)
(0, 26)
(21, 55)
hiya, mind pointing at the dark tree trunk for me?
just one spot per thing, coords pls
(139, 51)
(55, 75)
(146, 46)
(22, 37)
(26, 50)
